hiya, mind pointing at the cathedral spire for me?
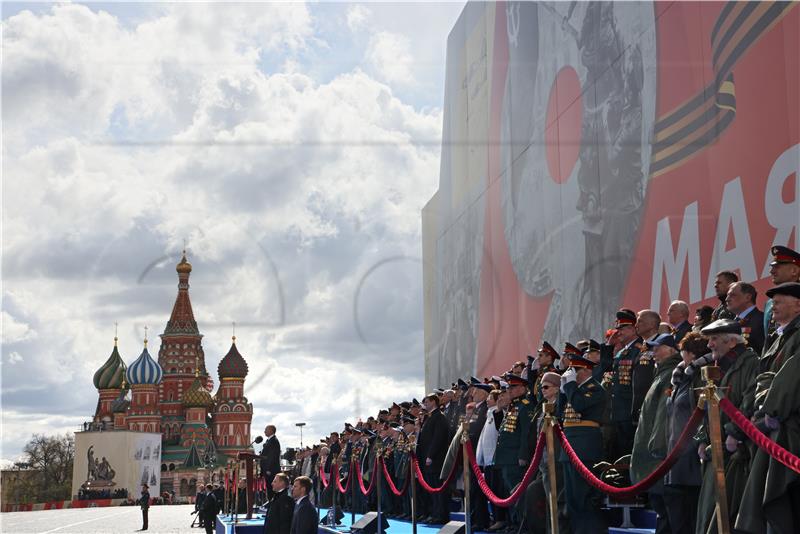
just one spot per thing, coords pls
(182, 319)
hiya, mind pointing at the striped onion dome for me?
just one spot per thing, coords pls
(232, 365)
(112, 373)
(145, 370)
(197, 396)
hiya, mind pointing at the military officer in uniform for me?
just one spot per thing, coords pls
(580, 410)
(785, 267)
(513, 450)
(622, 384)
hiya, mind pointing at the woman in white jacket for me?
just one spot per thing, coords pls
(487, 443)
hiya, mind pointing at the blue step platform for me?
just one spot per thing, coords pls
(643, 519)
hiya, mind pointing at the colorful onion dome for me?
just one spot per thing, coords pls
(184, 266)
(197, 396)
(232, 365)
(145, 370)
(112, 373)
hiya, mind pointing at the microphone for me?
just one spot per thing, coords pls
(258, 439)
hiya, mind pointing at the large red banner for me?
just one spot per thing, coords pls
(599, 155)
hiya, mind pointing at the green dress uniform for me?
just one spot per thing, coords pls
(625, 361)
(650, 441)
(513, 445)
(740, 368)
(580, 410)
(770, 485)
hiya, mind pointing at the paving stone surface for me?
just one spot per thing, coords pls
(112, 520)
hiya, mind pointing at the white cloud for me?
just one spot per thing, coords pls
(288, 191)
(14, 357)
(389, 53)
(14, 330)
(357, 17)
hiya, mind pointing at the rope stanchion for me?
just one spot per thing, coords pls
(360, 477)
(756, 436)
(390, 482)
(526, 479)
(427, 487)
(322, 476)
(665, 465)
(339, 487)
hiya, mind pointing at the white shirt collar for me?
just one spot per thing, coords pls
(747, 311)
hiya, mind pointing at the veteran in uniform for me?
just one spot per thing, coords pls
(513, 450)
(650, 441)
(580, 410)
(622, 383)
(771, 500)
(739, 366)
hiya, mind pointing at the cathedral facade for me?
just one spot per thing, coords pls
(172, 395)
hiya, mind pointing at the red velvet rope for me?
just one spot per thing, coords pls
(360, 477)
(767, 445)
(339, 482)
(427, 487)
(526, 479)
(665, 465)
(322, 475)
(390, 482)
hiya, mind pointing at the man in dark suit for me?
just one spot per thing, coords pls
(144, 502)
(304, 518)
(431, 449)
(198, 504)
(280, 508)
(722, 283)
(678, 318)
(270, 457)
(742, 301)
(209, 510)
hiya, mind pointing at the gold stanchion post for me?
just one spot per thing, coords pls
(711, 375)
(379, 475)
(549, 421)
(465, 461)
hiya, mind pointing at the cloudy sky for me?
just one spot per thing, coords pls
(291, 145)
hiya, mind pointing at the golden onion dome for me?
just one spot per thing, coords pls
(197, 396)
(184, 266)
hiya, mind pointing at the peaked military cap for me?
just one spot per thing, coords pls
(625, 317)
(408, 420)
(462, 385)
(484, 387)
(589, 345)
(414, 402)
(405, 405)
(547, 348)
(579, 362)
(571, 350)
(662, 339)
(473, 380)
(787, 288)
(515, 380)
(783, 254)
(722, 326)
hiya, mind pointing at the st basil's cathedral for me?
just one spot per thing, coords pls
(199, 432)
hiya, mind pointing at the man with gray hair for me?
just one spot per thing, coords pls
(741, 300)
(739, 366)
(678, 318)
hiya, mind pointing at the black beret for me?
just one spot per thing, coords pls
(722, 326)
(788, 288)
